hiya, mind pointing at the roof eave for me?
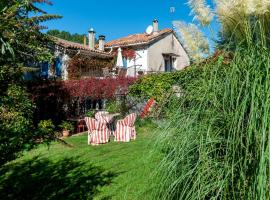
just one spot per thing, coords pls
(141, 43)
(127, 45)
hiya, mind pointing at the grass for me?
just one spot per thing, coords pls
(217, 142)
(111, 171)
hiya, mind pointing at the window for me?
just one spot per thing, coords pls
(169, 63)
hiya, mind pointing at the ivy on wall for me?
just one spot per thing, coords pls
(81, 67)
(158, 85)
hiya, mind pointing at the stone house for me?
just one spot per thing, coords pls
(88, 62)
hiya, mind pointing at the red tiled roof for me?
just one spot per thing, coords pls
(74, 45)
(142, 38)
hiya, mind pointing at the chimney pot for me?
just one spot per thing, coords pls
(155, 26)
(101, 43)
(92, 35)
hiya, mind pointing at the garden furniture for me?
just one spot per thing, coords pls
(98, 133)
(106, 118)
(99, 116)
(80, 126)
(125, 129)
(109, 117)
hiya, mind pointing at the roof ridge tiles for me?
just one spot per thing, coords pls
(75, 45)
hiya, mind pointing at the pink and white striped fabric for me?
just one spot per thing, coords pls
(125, 129)
(98, 132)
(99, 116)
(105, 118)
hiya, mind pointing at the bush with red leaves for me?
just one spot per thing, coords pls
(50, 96)
(98, 88)
(129, 54)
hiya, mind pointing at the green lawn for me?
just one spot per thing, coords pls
(112, 171)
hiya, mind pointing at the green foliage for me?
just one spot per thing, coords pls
(90, 113)
(143, 122)
(158, 85)
(15, 123)
(17, 131)
(46, 130)
(21, 42)
(119, 106)
(217, 138)
(113, 107)
(67, 126)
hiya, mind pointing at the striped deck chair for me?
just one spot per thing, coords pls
(99, 117)
(98, 132)
(91, 126)
(125, 129)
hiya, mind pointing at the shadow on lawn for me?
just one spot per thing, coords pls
(44, 179)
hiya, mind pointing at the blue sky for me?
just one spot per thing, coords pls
(116, 18)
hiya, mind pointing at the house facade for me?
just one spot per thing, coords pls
(155, 51)
(76, 61)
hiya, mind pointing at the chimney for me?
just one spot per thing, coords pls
(92, 35)
(101, 41)
(84, 41)
(155, 26)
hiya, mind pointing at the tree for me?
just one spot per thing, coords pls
(68, 36)
(22, 43)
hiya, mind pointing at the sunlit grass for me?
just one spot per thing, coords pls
(111, 171)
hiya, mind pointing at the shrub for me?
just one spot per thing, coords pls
(67, 126)
(158, 85)
(46, 130)
(113, 107)
(16, 125)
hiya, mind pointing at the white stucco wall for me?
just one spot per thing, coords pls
(167, 45)
(140, 60)
(65, 61)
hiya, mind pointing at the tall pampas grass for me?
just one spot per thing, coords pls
(244, 20)
(217, 142)
(241, 20)
(201, 11)
(193, 40)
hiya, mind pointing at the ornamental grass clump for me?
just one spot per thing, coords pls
(194, 41)
(244, 20)
(202, 12)
(217, 139)
(217, 142)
